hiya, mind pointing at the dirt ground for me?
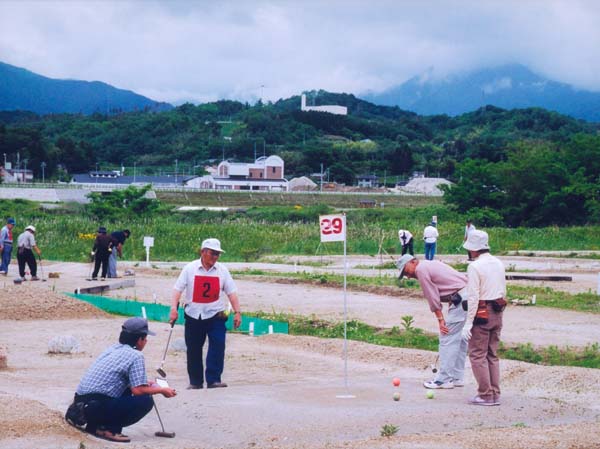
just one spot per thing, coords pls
(283, 390)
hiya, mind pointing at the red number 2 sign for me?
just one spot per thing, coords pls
(206, 289)
(333, 228)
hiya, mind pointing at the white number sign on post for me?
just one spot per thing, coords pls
(148, 243)
(333, 229)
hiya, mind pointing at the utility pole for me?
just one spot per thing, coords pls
(321, 178)
(134, 167)
(175, 171)
(43, 165)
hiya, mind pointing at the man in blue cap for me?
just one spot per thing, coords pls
(115, 391)
(6, 244)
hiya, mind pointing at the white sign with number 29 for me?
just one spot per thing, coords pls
(333, 228)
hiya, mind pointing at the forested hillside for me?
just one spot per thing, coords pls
(371, 139)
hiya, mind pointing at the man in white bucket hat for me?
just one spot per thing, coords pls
(486, 293)
(204, 280)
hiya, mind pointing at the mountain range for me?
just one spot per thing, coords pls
(508, 87)
(511, 86)
(21, 89)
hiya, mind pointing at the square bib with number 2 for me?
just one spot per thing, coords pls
(206, 289)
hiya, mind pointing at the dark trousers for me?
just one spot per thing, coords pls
(114, 413)
(408, 248)
(26, 257)
(196, 332)
(101, 259)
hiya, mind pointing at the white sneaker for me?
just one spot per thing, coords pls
(458, 383)
(480, 401)
(438, 385)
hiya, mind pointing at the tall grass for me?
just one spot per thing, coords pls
(281, 230)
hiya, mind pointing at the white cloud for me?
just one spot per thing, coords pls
(205, 50)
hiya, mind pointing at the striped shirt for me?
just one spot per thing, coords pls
(118, 368)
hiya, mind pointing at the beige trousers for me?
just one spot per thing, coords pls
(483, 348)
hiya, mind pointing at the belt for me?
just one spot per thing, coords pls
(448, 298)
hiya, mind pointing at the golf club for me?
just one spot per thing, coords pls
(162, 433)
(92, 257)
(42, 270)
(161, 372)
(434, 365)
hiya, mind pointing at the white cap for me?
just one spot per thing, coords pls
(31, 228)
(476, 241)
(401, 263)
(213, 244)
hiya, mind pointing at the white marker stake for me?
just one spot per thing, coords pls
(270, 328)
(144, 312)
(333, 229)
(251, 328)
(533, 298)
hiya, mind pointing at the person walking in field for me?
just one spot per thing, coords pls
(443, 284)
(118, 240)
(115, 391)
(406, 240)
(469, 227)
(206, 282)
(430, 235)
(486, 292)
(6, 244)
(101, 252)
(25, 247)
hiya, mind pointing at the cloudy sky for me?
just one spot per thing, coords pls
(202, 50)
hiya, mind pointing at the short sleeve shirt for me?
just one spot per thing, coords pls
(404, 236)
(26, 240)
(204, 289)
(118, 368)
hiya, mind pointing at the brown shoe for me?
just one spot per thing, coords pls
(217, 385)
(194, 387)
(109, 436)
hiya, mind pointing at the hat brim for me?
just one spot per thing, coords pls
(471, 247)
(213, 249)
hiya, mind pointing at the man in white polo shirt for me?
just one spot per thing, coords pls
(204, 280)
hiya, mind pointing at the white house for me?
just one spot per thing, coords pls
(265, 173)
(332, 109)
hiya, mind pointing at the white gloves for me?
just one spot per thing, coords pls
(466, 332)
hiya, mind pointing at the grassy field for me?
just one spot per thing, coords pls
(411, 337)
(67, 233)
(249, 199)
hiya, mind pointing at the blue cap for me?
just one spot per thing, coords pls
(11, 221)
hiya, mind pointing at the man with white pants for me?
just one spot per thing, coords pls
(441, 283)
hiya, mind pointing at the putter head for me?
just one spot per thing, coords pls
(161, 372)
(18, 281)
(434, 369)
(165, 434)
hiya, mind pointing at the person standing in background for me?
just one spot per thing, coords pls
(118, 240)
(6, 244)
(101, 252)
(406, 240)
(469, 227)
(430, 235)
(25, 247)
(486, 292)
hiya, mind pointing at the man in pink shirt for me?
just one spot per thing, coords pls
(443, 284)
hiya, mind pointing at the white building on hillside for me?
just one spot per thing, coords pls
(332, 109)
(266, 173)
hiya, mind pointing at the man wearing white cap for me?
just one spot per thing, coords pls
(486, 292)
(443, 284)
(204, 280)
(25, 247)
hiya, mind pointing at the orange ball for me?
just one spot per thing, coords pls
(396, 382)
